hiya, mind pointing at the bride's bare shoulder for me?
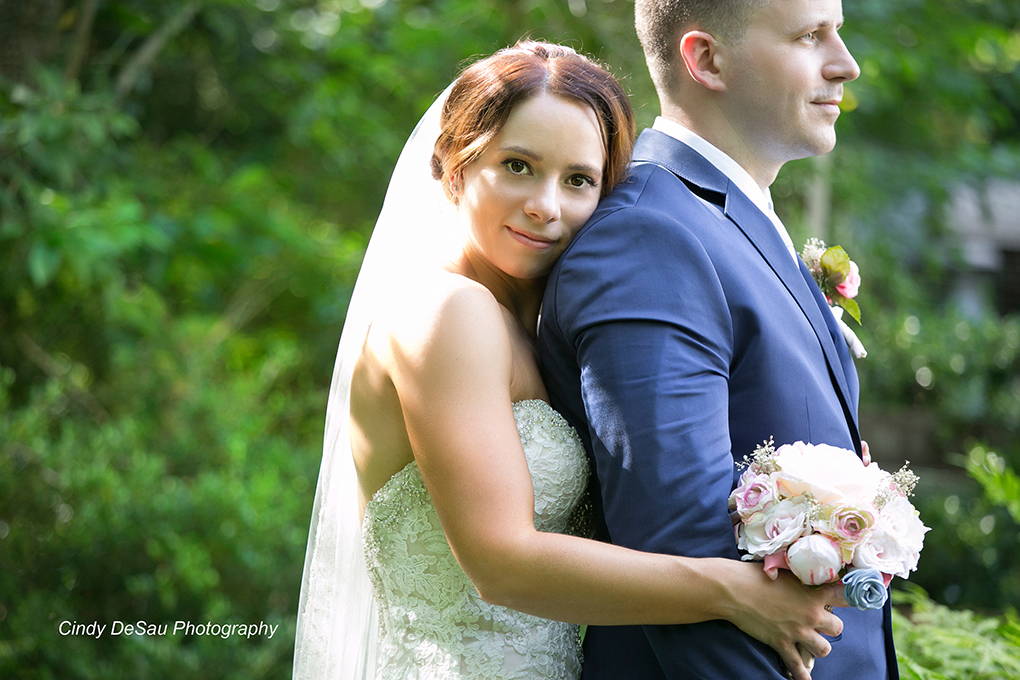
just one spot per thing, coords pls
(439, 311)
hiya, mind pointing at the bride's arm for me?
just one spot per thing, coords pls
(453, 380)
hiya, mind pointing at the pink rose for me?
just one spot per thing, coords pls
(848, 525)
(755, 494)
(815, 559)
(851, 283)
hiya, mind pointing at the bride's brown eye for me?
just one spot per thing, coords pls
(515, 166)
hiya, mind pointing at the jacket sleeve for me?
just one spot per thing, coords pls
(639, 298)
(649, 320)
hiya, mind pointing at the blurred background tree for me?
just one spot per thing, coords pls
(186, 189)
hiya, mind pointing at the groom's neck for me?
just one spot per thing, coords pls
(710, 122)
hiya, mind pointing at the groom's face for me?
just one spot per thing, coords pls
(784, 79)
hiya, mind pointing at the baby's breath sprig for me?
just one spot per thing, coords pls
(905, 480)
(817, 511)
(901, 483)
(812, 253)
(761, 461)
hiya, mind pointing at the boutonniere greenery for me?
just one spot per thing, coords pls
(836, 274)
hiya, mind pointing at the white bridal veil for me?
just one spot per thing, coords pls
(337, 633)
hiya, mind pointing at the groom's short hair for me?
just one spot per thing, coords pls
(660, 23)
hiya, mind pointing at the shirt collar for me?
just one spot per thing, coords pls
(729, 167)
(718, 158)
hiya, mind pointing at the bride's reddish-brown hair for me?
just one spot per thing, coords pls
(487, 91)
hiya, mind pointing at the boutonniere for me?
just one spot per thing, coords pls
(839, 278)
(836, 274)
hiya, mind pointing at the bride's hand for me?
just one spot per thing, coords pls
(785, 613)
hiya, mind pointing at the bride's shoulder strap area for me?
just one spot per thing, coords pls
(452, 329)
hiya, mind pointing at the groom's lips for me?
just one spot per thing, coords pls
(830, 103)
(530, 240)
(831, 106)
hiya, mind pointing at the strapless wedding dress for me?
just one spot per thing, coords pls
(434, 624)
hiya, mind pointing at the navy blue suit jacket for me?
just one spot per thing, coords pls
(677, 334)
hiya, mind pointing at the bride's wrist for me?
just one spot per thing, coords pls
(728, 589)
(715, 588)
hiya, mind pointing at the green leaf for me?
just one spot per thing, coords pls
(835, 265)
(849, 305)
(1001, 484)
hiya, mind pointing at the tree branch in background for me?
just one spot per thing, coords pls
(128, 78)
(53, 368)
(251, 299)
(82, 38)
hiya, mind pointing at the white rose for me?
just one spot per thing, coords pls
(828, 473)
(776, 528)
(904, 521)
(895, 544)
(882, 552)
(815, 559)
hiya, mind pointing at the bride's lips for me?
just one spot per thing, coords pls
(531, 241)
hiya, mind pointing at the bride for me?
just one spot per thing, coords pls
(441, 542)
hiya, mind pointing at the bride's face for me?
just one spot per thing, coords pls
(534, 186)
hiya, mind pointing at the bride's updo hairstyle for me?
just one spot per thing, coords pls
(487, 91)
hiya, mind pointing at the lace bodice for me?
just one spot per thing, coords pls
(435, 626)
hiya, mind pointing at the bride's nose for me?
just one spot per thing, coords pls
(543, 204)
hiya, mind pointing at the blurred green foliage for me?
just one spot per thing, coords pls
(182, 215)
(950, 385)
(971, 554)
(934, 642)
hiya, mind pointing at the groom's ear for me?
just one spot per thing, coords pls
(700, 52)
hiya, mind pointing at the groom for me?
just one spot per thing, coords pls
(679, 329)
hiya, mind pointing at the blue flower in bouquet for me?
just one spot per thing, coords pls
(864, 588)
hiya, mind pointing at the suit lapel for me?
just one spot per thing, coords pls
(707, 181)
(797, 280)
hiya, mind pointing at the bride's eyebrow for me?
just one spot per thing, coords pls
(576, 167)
(521, 151)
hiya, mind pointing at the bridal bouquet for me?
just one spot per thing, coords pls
(818, 511)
